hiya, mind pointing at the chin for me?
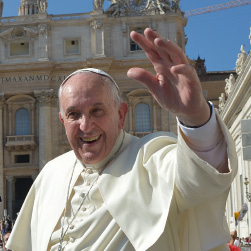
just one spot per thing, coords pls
(89, 159)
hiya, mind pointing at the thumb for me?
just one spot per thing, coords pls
(144, 77)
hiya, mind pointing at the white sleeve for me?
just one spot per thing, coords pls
(207, 142)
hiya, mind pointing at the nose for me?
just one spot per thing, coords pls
(85, 124)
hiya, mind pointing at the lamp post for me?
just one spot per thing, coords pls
(248, 195)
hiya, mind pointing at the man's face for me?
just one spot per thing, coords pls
(5, 239)
(91, 119)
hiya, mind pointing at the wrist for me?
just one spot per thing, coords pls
(200, 122)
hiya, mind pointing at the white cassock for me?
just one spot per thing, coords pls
(157, 194)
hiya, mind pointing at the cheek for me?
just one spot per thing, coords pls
(71, 129)
(112, 126)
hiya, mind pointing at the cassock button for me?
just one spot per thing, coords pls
(82, 194)
(72, 239)
(84, 209)
(90, 171)
(71, 227)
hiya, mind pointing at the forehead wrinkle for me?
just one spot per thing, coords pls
(99, 89)
(72, 107)
(76, 82)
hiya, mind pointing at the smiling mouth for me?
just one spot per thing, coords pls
(90, 140)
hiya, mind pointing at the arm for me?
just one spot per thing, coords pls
(177, 88)
(208, 143)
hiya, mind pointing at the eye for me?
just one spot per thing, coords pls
(72, 115)
(97, 111)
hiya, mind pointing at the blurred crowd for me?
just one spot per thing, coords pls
(6, 225)
(236, 242)
(245, 242)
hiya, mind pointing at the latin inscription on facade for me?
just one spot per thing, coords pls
(31, 79)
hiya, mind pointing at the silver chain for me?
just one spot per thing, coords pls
(63, 232)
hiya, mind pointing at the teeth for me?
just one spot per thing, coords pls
(90, 139)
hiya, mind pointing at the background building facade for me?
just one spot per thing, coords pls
(235, 110)
(37, 52)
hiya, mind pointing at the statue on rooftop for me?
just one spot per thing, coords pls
(229, 84)
(175, 5)
(242, 56)
(164, 5)
(117, 9)
(42, 6)
(222, 101)
(98, 4)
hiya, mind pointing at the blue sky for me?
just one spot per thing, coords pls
(215, 37)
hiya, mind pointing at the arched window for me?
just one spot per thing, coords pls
(22, 122)
(142, 118)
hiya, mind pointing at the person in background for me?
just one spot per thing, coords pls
(5, 239)
(231, 244)
(237, 242)
(1, 244)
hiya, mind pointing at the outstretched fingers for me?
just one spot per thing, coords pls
(146, 45)
(174, 52)
(188, 72)
(170, 51)
(161, 52)
(166, 48)
(153, 36)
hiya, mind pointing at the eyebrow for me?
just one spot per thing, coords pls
(73, 107)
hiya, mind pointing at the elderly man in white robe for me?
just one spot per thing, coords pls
(117, 192)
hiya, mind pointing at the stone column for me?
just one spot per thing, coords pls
(11, 126)
(125, 39)
(43, 42)
(26, 10)
(55, 129)
(2, 101)
(45, 98)
(172, 29)
(10, 180)
(97, 37)
(155, 116)
(32, 120)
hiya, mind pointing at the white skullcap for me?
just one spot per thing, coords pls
(97, 71)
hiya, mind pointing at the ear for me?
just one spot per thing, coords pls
(123, 108)
(61, 117)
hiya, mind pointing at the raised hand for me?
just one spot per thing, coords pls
(176, 85)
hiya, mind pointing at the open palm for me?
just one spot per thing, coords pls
(176, 86)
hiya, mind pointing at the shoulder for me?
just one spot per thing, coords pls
(158, 144)
(62, 160)
(158, 140)
(59, 165)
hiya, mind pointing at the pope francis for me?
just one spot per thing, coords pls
(117, 192)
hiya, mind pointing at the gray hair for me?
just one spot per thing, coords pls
(107, 80)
